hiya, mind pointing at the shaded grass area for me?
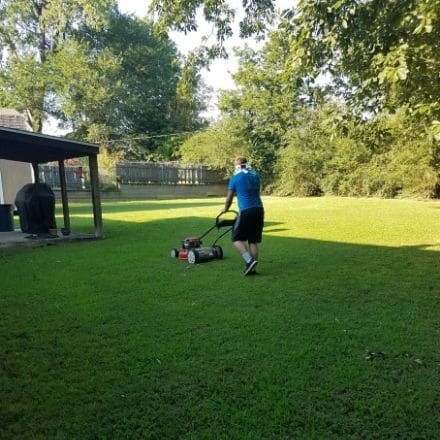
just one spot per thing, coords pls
(337, 337)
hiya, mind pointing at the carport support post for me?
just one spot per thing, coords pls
(96, 198)
(36, 172)
(64, 200)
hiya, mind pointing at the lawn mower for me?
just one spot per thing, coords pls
(192, 249)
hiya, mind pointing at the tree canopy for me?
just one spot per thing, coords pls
(344, 98)
(377, 46)
(32, 34)
(181, 16)
(105, 75)
(382, 54)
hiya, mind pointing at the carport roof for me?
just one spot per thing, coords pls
(25, 146)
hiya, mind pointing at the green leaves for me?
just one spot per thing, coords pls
(216, 147)
(386, 50)
(181, 16)
(32, 35)
(104, 75)
(435, 130)
(393, 67)
(380, 60)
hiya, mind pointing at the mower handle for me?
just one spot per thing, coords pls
(219, 224)
(225, 212)
(225, 223)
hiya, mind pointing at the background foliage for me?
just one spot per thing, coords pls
(107, 77)
(342, 98)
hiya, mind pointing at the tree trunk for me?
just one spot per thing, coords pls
(35, 119)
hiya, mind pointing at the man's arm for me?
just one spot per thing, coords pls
(228, 201)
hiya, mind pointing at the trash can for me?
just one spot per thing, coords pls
(6, 218)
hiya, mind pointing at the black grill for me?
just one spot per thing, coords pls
(35, 203)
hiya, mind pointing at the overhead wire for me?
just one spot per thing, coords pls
(154, 136)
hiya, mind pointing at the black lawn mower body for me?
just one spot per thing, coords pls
(192, 249)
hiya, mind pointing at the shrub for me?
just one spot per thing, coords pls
(216, 147)
(345, 171)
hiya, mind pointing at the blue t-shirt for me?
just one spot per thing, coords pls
(246, 184)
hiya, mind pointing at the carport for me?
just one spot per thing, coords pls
(24, 146)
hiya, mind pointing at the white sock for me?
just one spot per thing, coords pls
(246, 257)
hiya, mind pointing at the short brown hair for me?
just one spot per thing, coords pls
(240, 160)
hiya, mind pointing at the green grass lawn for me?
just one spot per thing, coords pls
(337, 337)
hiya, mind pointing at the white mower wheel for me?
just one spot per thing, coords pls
(192, 257)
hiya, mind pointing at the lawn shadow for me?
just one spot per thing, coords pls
(112, 207)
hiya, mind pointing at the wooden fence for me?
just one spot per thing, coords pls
(77, 178)
(133, 173)
(151, 173)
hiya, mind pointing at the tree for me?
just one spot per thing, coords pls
(308, 147)
(383, 54)
(123, 79)
(269, 95)
(136, 91)
(110, 78)
(217, 146)
(181, 16)
(155, 92)
(32, 34)
(87, 85)
(191, 96)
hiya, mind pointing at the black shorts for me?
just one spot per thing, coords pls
(249, 225)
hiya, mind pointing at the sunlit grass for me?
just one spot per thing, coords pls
(337, 337)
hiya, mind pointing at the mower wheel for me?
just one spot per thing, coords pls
(218, 251)
(174, 253)
(193, 258)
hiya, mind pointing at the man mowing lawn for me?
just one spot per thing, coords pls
(249, 225)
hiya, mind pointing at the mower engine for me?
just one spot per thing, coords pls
(191, 242)
(187, 244)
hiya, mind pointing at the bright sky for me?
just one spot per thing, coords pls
(219, 75)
